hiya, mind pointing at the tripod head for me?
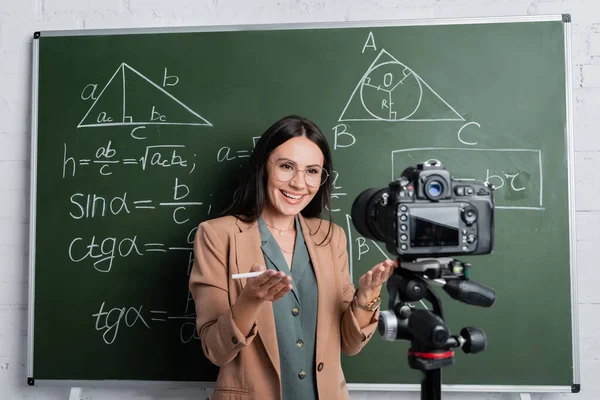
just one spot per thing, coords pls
(431, 343)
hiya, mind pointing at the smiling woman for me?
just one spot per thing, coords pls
(291, 145)
(303, 306)
(288, 190)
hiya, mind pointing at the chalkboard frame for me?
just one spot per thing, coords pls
(569, 129)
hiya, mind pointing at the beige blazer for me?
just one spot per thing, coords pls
(249, 365)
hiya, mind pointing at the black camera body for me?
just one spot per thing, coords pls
(428, 213)
(425, 217)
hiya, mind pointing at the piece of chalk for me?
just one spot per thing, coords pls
(246, 275)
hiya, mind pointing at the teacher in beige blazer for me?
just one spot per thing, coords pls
(279, 335)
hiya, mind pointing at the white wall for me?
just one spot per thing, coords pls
(20, 18)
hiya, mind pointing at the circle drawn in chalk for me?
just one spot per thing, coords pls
(391, 92)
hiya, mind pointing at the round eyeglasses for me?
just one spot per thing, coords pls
(285, 170)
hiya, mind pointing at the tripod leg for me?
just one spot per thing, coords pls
(431, 385)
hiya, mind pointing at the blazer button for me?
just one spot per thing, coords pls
(234, 340)
(299, 343)
(320, 367)
(301, 374)
(295, 311)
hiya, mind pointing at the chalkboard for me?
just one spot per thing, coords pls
(140, 135)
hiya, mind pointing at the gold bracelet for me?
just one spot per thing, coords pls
(370, 306)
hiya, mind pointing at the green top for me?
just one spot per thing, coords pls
(295, 317)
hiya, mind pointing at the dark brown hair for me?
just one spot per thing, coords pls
(252, 197)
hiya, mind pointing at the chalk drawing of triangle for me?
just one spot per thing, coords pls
(129, 98)
(391, 91)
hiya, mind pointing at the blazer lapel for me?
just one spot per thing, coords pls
(321, 259)
(248, 251)
(271, 250)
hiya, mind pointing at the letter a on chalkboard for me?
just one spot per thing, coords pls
(129, 98)
(391, 91)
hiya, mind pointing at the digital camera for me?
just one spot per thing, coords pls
(428, 213)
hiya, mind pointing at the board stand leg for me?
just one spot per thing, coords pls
(76, 393)
(524, 396)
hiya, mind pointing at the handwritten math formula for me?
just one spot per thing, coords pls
(156, 136)
(106, 239)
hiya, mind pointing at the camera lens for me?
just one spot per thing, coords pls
(434, 189)
(368, 214)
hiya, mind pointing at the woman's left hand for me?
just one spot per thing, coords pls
(369, 285)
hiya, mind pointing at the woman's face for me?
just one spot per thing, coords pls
(298, 154)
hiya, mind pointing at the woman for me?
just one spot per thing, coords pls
(279, 335)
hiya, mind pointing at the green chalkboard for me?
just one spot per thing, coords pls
(139, 135)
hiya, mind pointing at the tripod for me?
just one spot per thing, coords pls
(431, 343)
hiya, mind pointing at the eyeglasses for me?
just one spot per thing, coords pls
(285, 171)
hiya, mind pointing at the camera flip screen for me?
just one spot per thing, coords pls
(433, 227)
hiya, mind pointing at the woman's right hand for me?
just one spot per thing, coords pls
(271, 285)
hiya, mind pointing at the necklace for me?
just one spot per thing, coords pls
(281, 231)
(284, 250)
